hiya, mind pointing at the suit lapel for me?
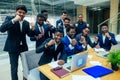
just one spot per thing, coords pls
(18, 26)
(23, 26)
(67, 40)
(101, 39)
(37, 29)
(106, 40)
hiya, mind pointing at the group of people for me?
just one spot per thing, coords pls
(56, 43)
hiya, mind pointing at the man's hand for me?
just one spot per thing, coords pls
(97, 46)
(32, 26)
(49, 24)
(61, 62)
(51, 42)
(96, 38)
(82, 38)
(39, 36)
(59, 24)
(76, 25)
(107, 35)
(73, 42)
(84, 42)
(17, 18)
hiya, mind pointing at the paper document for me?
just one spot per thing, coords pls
(95, 63)
(99, 50)
(83, 77)
(54, 64)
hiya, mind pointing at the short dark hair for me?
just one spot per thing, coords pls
(67, 19)
(42, 11)
(104, 25)
(69, 27)
(65, 12)
(86, 27)
(40, 15)
(22, 7)
(59, 30)
(80, 15)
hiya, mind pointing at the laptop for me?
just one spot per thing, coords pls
(77, 61)
(104, 53)
(115, 47)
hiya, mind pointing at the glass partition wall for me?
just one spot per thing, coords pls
(54, 8)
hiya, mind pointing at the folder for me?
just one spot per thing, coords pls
(97, 71)
(60, 72)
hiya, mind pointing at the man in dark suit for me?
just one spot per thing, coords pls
(45, 14)
(17, 28)
(85, 35)
(70, 44)
(41, 31)
(60, 23)
(80, 24)
(51, 48)
(106, 38)
(65, 25)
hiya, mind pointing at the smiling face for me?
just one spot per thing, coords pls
(104, 29)
(21, 13)
(86, 31)
(66, 22)
(71, 33)
(58, 37)
(64, 15)
(40, 21)
(80, 18)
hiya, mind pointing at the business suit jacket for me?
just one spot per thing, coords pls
(59, 27)
(87, 38)
(108, 43)
(37, 31)
(77, 48)
(80, 26)
(15, 35)
(50, 52)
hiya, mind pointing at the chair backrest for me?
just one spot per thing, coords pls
(29, 60)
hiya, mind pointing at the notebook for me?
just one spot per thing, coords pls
(97, 71)
(60, 72)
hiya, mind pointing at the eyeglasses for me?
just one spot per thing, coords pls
(72, 32)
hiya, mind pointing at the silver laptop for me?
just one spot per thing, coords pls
(103, 54)
(77, 61)
(115, 47)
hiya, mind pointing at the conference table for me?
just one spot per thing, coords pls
(46, 69)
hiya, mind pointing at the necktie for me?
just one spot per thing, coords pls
(41, 30)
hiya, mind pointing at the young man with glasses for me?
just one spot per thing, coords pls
(70, 44)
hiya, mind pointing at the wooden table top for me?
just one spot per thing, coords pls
(45, 69)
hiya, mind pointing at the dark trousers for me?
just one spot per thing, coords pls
(43, 77)
(14, 64)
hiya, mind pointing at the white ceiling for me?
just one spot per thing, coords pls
(89, 2)
(78, 2)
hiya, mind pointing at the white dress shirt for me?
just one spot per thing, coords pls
(103, 38)
(70, 46)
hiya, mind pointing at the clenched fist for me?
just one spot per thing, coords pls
(17, 18)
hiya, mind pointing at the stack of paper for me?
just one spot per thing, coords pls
(95, 63)
(83, 77)
(54, 64)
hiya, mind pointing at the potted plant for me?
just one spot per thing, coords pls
(114, 59)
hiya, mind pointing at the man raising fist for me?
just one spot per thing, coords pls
(17, 29)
